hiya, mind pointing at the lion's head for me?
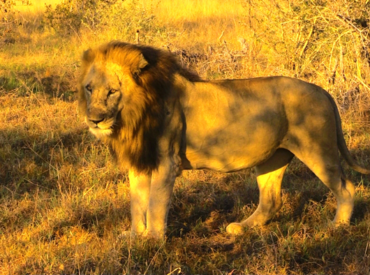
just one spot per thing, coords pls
(122, 92)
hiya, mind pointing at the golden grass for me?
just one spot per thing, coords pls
(34, 6)
(203, 23)
(63, 202)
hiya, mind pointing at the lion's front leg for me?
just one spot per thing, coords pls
(160, 196)
(139, 190)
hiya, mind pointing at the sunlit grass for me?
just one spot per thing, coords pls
(64, 203)
(34, 6)
(202, 23)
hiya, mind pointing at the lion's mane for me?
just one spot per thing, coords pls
(140, 124)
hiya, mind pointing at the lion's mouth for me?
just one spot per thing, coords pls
(101, 128)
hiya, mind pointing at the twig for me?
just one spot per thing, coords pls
(23, 84)
(227, 50)
(155, 255)
(176, 269)
(37, 154)
(308, 38)
(346, 22)
(137, 37)
(362, 82)
(219, 38)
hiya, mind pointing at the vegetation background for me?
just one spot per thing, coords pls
(64, 204)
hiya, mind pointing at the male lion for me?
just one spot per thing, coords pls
(159, 119)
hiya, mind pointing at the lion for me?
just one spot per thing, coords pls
(159, 119)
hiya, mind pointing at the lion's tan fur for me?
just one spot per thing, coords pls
(135, 137)
(159, 119)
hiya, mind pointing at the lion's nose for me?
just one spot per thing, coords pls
(96, 121)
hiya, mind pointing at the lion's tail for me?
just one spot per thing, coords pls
(342, 143)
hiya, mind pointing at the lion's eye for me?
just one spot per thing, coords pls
(88, 87)
(112, 91)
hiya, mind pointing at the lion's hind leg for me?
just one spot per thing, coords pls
(328, 169)
(269, 177)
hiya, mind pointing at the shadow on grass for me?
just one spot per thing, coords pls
(32, 162)
(361, 156)
(59, 170)
(207, 206)
(200, 209)
(334, 252)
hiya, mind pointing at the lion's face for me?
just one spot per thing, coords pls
(109, 91)
(104, 98)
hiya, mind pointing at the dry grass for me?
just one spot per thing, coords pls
(202, 23)
(64, 203)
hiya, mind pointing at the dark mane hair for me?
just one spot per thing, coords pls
(140, 125)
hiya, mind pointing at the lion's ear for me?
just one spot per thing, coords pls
(88, 56)
(138, 66)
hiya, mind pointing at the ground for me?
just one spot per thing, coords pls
(63, 201)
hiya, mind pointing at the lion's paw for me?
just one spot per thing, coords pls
(235, 228)
(336, 224)
(153, 235)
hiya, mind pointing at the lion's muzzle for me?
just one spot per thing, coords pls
(95, 121)
(96, 117)
(100, 124)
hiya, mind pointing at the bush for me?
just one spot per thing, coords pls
(70, 15)
(7, 16)
(121, 17)
(319, 38)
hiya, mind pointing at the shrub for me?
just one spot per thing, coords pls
(68, 17)
(120, 17)
(319, 38)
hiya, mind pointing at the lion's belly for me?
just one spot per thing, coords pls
(199, 160)
(231, 148)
